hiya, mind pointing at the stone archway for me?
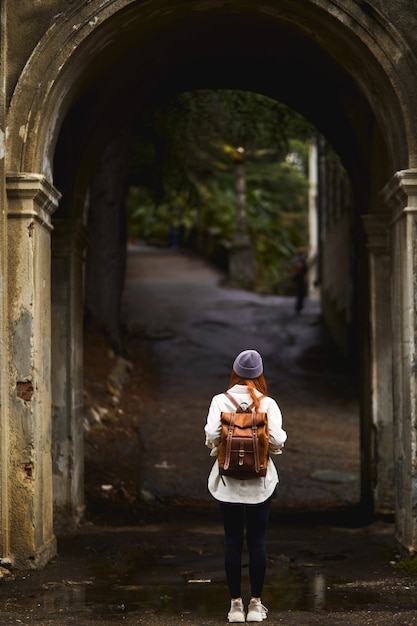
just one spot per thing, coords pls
(344, 58)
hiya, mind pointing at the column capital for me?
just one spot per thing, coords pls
(400, 193)
(31, 196)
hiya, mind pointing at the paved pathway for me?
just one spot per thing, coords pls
(324, 569)
(196, 326)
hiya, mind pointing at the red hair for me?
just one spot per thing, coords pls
(252, 384)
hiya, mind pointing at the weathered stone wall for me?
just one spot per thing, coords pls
(71, 73)
(68, 242)
(337, 250)
(337, 282)
(31, 203)
(401, 14)
(27, 22)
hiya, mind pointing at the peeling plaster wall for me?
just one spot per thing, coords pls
(29, 283)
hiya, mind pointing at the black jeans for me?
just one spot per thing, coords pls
(255, 518)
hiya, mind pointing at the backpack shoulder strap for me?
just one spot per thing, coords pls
(229, 441)
(235, 402)
(231, 398)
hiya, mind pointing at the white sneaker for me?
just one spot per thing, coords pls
(256, 612)
(236, 613)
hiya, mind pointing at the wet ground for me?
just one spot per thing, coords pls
(150, 548)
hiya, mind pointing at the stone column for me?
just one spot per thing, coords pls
(401, 195)
(380, 350)
(68, 241)
(31, 201)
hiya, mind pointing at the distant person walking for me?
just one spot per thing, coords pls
(299, 271)
(245, 503)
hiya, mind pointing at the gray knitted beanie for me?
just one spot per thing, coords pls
(248, 364)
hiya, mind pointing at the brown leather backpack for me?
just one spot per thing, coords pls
(243, 449)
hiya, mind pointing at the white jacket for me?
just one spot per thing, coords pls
(254, 490)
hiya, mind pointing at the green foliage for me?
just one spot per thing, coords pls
(217, 209)
(239, 118)
(277, 197)
(408, 566)
(184, 156)
(151, 222)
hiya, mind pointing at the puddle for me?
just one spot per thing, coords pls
(157, 586)
(173, 568)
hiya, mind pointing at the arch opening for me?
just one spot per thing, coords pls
(332, 90)
(353, 427)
